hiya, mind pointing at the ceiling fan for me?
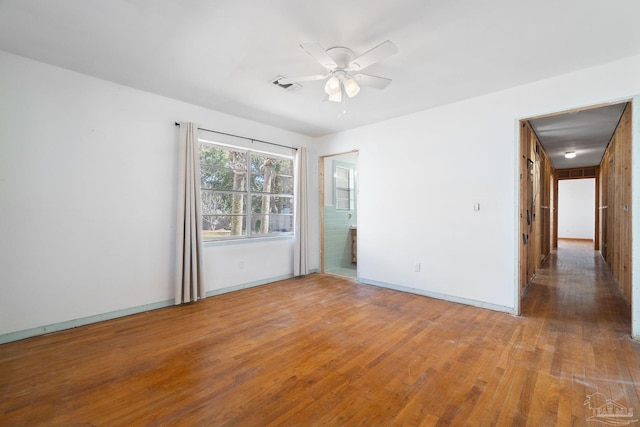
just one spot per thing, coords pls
(344, 68)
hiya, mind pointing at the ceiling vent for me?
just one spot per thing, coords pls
(291, 87)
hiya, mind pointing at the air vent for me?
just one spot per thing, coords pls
(291, 87)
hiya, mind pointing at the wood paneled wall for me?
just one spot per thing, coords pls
(536, 204)
(616, 204)
(578, 173)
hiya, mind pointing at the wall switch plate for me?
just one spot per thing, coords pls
(476, 206)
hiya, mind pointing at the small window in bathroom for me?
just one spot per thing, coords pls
(343, 191)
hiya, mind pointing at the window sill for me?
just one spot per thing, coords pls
(243, 241)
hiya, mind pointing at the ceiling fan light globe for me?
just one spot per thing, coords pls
(332, 87)
(351, 87)
(336, 97)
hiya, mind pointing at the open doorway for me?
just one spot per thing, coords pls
(576, 209)
(591, 142)
(339, 214)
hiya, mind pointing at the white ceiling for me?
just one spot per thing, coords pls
(223, 54)
(586, 132)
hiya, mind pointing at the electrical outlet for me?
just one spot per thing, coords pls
(241, 265)
(417, 267)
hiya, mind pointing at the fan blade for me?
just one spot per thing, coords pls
(370, 57)
(290, 80)
(318, 53)
(371, 81)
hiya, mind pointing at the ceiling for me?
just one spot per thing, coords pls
(585, 132)
(223, 54)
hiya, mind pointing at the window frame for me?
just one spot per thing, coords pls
(350, 189)
(248, 193)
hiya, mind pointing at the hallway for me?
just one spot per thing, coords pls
(583, 317)
(575, 284)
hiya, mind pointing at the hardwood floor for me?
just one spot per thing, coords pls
(323, 351)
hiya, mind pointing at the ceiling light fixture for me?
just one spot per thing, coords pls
(341, 83)
(351, 87)
(332, 87)
(344, 68)
(336, 97)
(569, 154)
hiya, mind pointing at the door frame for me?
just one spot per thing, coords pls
(522, 171)
(321, 160)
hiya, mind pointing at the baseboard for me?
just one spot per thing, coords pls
(69, 324)
(247, 285)
(56, 327)
(436, 295)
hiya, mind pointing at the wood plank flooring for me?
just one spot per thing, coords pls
(323, 351)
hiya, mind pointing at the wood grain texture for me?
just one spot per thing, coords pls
(616, 204)
(323, 351)
(536, 204)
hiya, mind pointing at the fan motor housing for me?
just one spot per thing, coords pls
(341, 55)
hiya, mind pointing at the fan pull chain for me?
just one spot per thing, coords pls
(344, 103)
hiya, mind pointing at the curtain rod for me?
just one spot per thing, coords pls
(244, 137)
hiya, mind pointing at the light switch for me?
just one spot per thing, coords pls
(476, 206)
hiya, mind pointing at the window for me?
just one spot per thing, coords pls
(343, 188)
(245, 193)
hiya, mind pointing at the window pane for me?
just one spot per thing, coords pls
(342, 199)
(268, 173)
(274, 184)
(214, 203)
(272, 204)
(257, 182)
(271, 224)
(342, 177)
(284, 167)
(283, 185)
(221, 226)
(222, 168)
(271, 214)
(212, 156)
(219, 179)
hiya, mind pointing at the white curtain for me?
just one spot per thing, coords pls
(301, 248)
(189, 283)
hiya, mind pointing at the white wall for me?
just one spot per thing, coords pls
(88, 193)
(576, 208)
(421, 174)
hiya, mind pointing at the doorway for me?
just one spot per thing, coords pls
(591, 142)
(339, 214)
(576, 209)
